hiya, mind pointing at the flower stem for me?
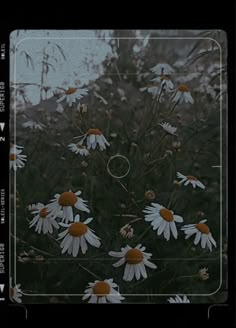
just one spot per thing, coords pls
(172, 109)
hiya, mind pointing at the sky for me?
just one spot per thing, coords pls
(72, 56)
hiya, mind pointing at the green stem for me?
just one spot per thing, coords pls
(172, 109)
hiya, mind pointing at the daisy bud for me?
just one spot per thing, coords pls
(127, 231)
(200, 213)
(39, 258)
(176, 145)
(203, 275)
(82, 108)
(150, 195)
(84, 164)
(169, 152)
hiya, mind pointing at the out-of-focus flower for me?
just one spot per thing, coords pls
(76, 236)
(162, 220)
(15, 293)
(202, 232)
(84, 164)
(73, 94)
(65, 202)
(43, 220)
(39, 258)
(136, 260)
(168, 128)
(154, 90)
(127, 231)
(203, 275)
(78, 149)
(82, 108)
(112, 57)
(150, 195)
(189, 179)
(59, 108)
(178, 299)
(162, 69)
(176, 145)
(33, 125)
(183, 94)
(168, 152)
(102, 292)
(166, 83)
(24, 257)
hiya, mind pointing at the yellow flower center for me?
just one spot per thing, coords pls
(67, 198)
(12, 157)
(190, 177)
(101, 288)
(94, 131)
(166, 214)
(134, 256)
(43, 213)
(183, 88)
(203, 228)
(70, 91)
(77, 229)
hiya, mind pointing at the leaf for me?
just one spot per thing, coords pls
(47, 66)
(198, 56)
(29, 60)
(205, 33)
(60, 50)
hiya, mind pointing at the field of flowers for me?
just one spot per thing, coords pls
(118, 184)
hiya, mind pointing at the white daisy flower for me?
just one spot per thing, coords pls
(168, 128)
(15, 149)
(162, 220)
(64, 203)
(15, 293)
(43, 220)
(95, 137)
(154, 90)
(102, 292)
(78, 149)
(136, 260)
(76, 236)
(33, 125)
(178, 299)
(162, 69)
(73, 94)
(166, 83)
(183, 94)
(16, 158)
(202, 232)
(189, 179)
